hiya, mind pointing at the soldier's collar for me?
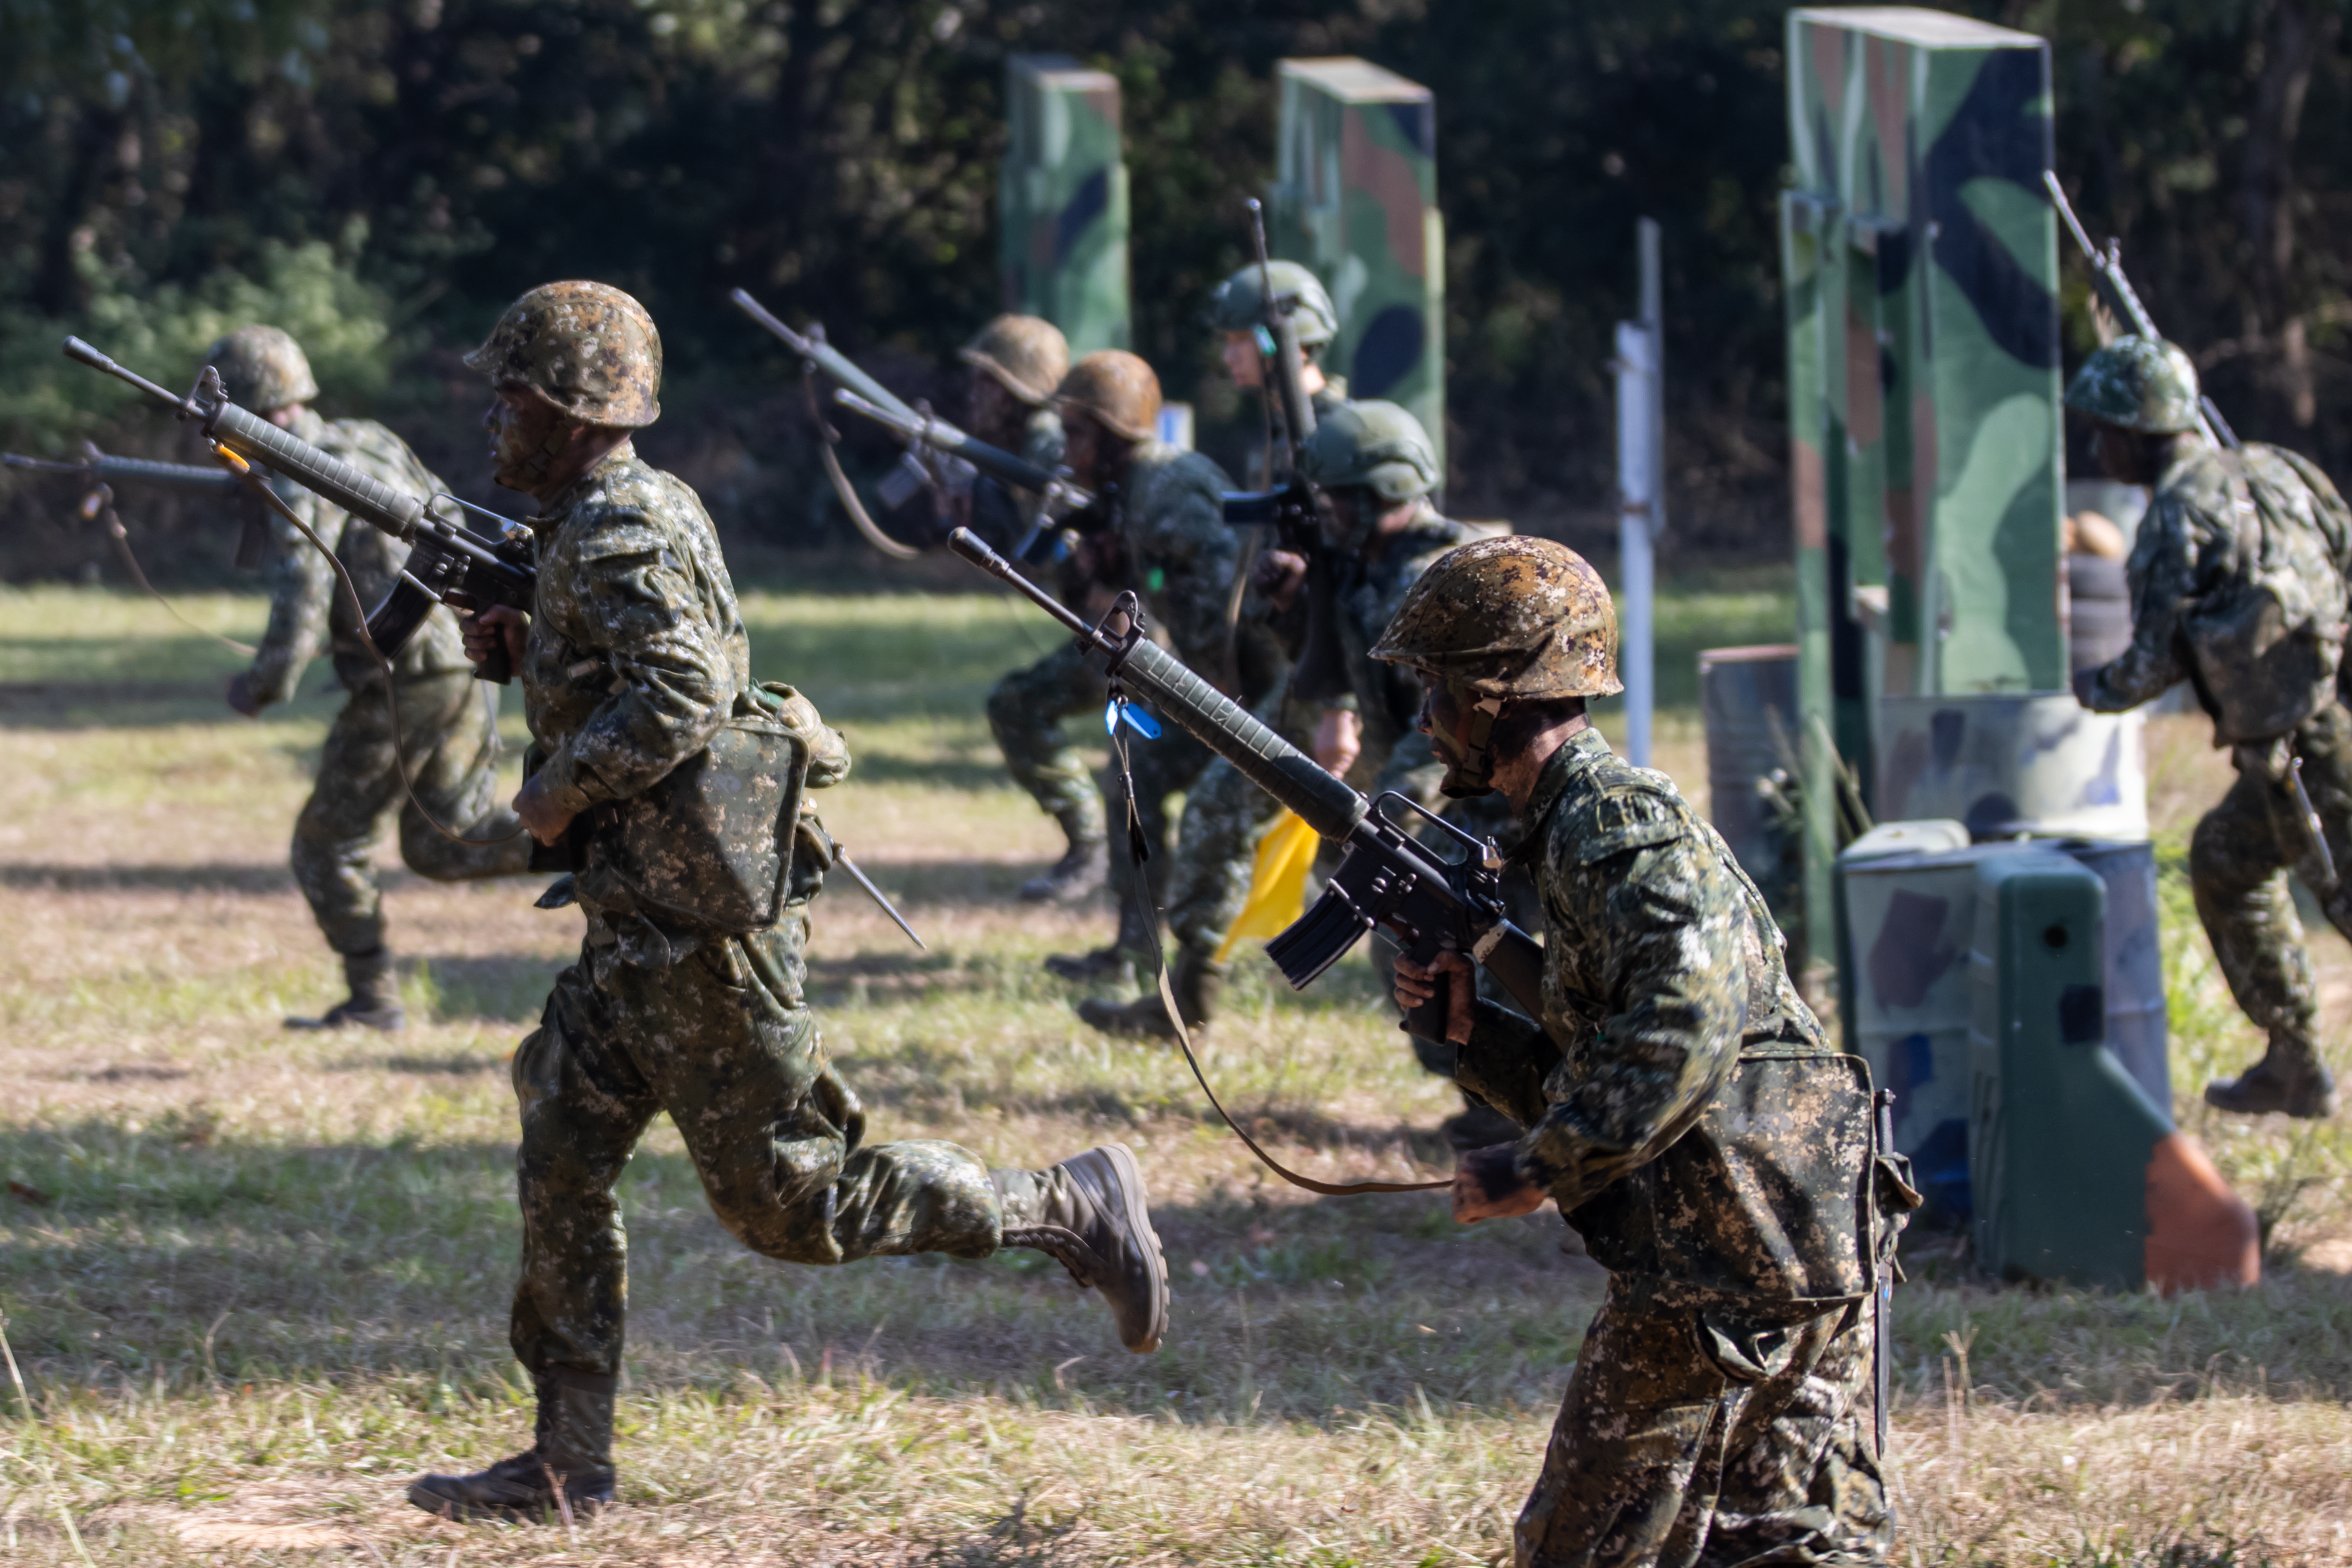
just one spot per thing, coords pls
(597, 473)
(1576, 755)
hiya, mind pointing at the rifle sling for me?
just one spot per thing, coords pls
(104, 494)
(827, 439)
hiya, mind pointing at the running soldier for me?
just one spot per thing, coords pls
(633, 659)
(449, 721)
(1682, 1109)
(2238, 587)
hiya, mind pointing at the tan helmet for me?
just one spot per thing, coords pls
(1026, 355)
(1511, 619)
(587, 348)
(262, 369)
(1116, 388)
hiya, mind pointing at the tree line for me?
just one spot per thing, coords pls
(383, 175)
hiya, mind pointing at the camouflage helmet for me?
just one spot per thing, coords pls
(2137, 383)
(1239, 303)
(1512, 618)
(262, 369)
(1026, 355)
(587, 348)
(1116, 388)
(1374, 445)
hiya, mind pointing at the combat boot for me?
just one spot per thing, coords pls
(1198, 983)
(1089, 1212)
(374, 1001)
(2291, 1081)
(570, 1451)
(1082, 869)
(1118, 962)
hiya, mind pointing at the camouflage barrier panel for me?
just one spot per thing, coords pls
(1061, 199)
(1355, 197)
(1920, 258)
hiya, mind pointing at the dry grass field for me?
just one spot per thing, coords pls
(254, 1279)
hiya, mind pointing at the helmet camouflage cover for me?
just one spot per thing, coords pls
(1116, 388)
(587, 348)
(1239, 303)
(261, 369)
(1515, 618)
(1375, 444)
(1026, 355)
(2137, 383)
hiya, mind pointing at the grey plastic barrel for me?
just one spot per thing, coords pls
(2135, 959)
(1740, 690)
(2012, 763)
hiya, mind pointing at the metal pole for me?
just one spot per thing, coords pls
(1642, 494)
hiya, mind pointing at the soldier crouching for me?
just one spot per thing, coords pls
(633, 660)
(1682, 1108)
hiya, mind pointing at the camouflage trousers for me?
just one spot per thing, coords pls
(720, 1036)
(2237, 861)
(1702, 1429)
(450, 734)
(1025, 710)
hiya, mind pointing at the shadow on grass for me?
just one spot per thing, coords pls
(207, 877)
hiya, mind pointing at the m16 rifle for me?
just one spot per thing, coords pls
(2124, 302)
(98, 470)
(1428, 905)
(1065, 497)
(448, 563)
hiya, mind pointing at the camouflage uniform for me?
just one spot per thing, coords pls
(449, 730)
(2184, 555)
(1688, 1116)
(654, 1016)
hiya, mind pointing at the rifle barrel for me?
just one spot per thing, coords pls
(945, 437)
(139, 470)
(832, 361)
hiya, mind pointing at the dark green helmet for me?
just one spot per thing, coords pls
(1373, 444)
(1239, 303)
(2137, 383)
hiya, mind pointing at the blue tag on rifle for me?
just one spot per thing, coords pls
(1142, 723)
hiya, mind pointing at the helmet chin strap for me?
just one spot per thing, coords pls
(1474, 731)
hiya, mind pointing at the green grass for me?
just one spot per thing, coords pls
(256, 1278)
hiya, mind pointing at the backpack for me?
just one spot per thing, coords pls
(2267, 642)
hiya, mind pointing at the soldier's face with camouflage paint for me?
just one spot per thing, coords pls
(995, 416)
(1093, 452)
(1440, 718)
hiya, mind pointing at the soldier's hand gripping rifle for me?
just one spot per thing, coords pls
(1064, 496)
(2123, 300)
(448, 563)
(1427, 905)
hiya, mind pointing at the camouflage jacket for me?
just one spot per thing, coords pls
(1179, 554)
(1367, 588)
(1682, 1105)
(2212, 515)
(1002, 514)
(636, 654)
(307, 608)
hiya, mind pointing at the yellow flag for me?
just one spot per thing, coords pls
(1277, 895)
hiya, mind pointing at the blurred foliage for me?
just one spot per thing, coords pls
(167, 163)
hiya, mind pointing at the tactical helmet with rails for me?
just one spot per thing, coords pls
(2137, 383)
(587, 348)
(1025, 355)
(262, 369)
(1116, 388)
(1239, 303)
(1503, 620)
(1373, 444)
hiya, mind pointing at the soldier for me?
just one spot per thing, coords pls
(2237, 586)
(449, 721)
(1682, 1106)
(1016, 361)
(632, 659)
(1374, 464)
(1237, 309)
(1165, 536)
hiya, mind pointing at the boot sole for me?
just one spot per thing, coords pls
(1139, 1224)
(547, 1512)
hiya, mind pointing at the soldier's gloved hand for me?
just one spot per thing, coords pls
(485, 632)
(240, 694)
(1488, 1186)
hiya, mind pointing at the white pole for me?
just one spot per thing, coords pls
(1641, 488)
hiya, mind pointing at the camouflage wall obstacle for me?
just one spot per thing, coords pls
(1062, 200)
(1920, 258)
(1355, 197)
